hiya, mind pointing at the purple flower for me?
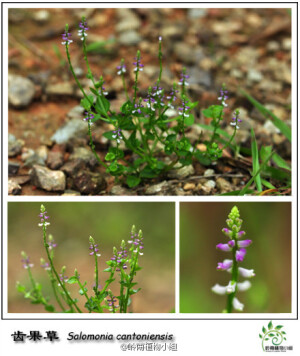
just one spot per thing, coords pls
(236, 120)
(66, 38)
(117, 135)
(136, 240)
(183, 110)
(138, 65)
(46, 266)
(231, 243)
(26, 262)
(244, 243)
(225, 265)
(137, 108)
(240, 254)
(63, 278)
(111, 302)
(88, 117)
(121, 69)
(83, 28)
(223, 96)
(183, 78)
(224, 247)
(44, 217)
(93, 247)
(240, 234)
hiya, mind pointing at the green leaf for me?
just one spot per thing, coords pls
(21, 288)
(110, 156)
(266, 338)
(260, 336)
(109, 269)
(270, 325)
(281, 125)
(50, 308)
(255, 162)
(99, 46)
(264, 152)
(280, 162)
(82, 291)
(278, 327)
(109, 135)
(134, 291)
(271, 334)
(267, 184)
(87, 103)
(264, 330)
(283, 332)
(72, 280)
(133, 181)
(189, 121)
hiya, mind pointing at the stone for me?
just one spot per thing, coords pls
(254, 75)
(209, 172)
(41, 16)
(85, 155)
(128, 23)
(188, 54)
(119, 190)
(45, 178)
(189, 186)
(13, 168)
(14, 188)
(181, 173)
(270, 127)
(208, 186)
(60, 89)
(14, 146)
(70, 193)
(71, 168)
(223, 185)
(77, 112)
(31, 158)
(72, 129)
(89, 183)
(157, 188)
(129, 38)
(197, 13)
(173, 32)
(21, 91)
(199, 76)
(55, 159)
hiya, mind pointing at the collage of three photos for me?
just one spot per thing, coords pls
(149, 162)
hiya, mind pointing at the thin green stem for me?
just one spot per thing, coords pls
(53, 282)
(92, 145)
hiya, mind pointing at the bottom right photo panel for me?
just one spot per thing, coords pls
(235, 257)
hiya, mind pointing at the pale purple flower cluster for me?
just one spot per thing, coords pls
(111, 303)
(26, 262)
(183, 78)
(88, 117)
(136, 239)
(83, 28)
(121, 69)
(94, 249)
(223, 96)
(183, 110)
(44, 217)
(117, 135)
(236, 119)
(66, 37)
(138, 65)
(137, 108)
(237, 247)
(120, 256)
(45, 265)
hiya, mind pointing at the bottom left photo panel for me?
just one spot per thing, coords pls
(96, 257)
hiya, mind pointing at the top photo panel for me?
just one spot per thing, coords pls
(139, 101)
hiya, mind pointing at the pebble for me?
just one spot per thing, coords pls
(60, 89)
(85, 155)
(208, 186)
(223, 185)
(187, 53)
(209, 172)
(70, 193)
(181, 173)
(196, 13)
(89, 183)
(119, 190)
(157, 189)
(13, 168)
(14, 146)
(55, 159)
(189, 186)
(72, 129)
(254, 75)
(199, 76)
(14, 188)
(71, 168)
(273, 46)
(30, 158)
(287, 44)
(44, 178)
(41, 16)
(129, 38)
(270, 127)
(21, 91)
(77, 112)
(173, 32)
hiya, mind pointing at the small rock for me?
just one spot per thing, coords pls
(14, 188)
(270, 127)
(223, 185)
(31, 158)
(14, 146)
(189, 186)
(254, 75)
(128, 24)
(209, 172)
(71, 168)
(13, 168)
(42, 152)
(187, 53)
(157, 188)
(273, 46)
(236, 73)
(21, 91)
(60, 89)
(72, 129)
(196, 13)
(199, 76)
(21, 179)
(41, 16)
(77, 112)
(173, 32)
(129, 38)
(55, 159)
(43, 177)
(287, 44)
(181, 173)
(208, 186)
(119, 190)
(70, 193)
(85, 155)
(89, 183)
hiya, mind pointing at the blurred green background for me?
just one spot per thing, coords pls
(109, 224)
(268, 225)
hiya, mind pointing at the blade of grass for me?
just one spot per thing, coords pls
(267, 184)
(282, 126)
(280, 162)
(255, 162)
(243, 191)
